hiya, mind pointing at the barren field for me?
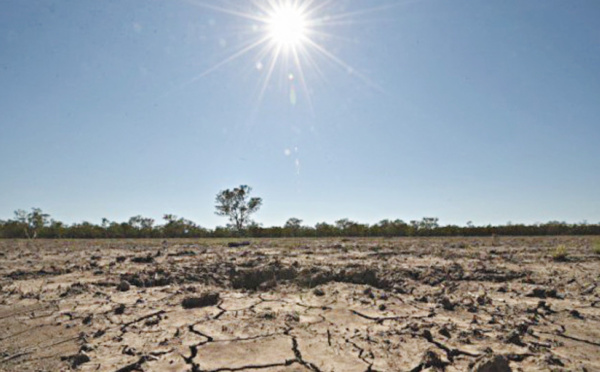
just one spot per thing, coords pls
(418, 304)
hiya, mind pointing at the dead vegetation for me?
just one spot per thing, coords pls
(486, 304)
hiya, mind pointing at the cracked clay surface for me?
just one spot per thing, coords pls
(406, 304)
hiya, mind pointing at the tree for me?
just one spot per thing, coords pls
(237, 205)
(56, 229)
(325, 229)
(390, 228)
(31, 222)
(346, 227)
(176, 227)
(142, 226)
(293, 226)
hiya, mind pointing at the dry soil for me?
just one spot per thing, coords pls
(426, 304)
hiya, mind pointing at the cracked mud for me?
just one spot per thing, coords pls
(427, 304)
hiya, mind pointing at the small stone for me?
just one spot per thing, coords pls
(319, 292)
(382, 307)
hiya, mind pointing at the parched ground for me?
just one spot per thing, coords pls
(409, 304)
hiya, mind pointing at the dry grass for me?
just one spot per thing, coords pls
(560, 253)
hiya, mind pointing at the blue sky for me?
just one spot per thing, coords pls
(483, 111)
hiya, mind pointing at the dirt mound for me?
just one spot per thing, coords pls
(156, 278)
(252, 278)
(255, 277)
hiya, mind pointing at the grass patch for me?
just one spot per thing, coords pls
(560, 253)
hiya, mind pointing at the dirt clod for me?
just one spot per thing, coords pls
(514, 337)
(544, 293)
(77, 359)
(432, 360)
(143, 259)
(206, 299)
(123, 286)
(491, 363)
(447, 304)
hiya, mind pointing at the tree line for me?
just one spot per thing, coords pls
(37, 224)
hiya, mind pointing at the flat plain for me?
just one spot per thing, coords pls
(365, 304)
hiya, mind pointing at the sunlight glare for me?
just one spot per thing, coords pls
(287, 25)
(287, 38)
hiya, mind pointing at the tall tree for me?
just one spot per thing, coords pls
(237, 205)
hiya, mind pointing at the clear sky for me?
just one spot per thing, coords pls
(484, 111)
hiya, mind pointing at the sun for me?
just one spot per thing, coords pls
(287, 25)
(287, 40)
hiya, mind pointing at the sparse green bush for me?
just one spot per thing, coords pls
(560, 253)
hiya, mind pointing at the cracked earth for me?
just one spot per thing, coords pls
(407, 304)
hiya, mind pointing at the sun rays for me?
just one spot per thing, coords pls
(285, 40)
